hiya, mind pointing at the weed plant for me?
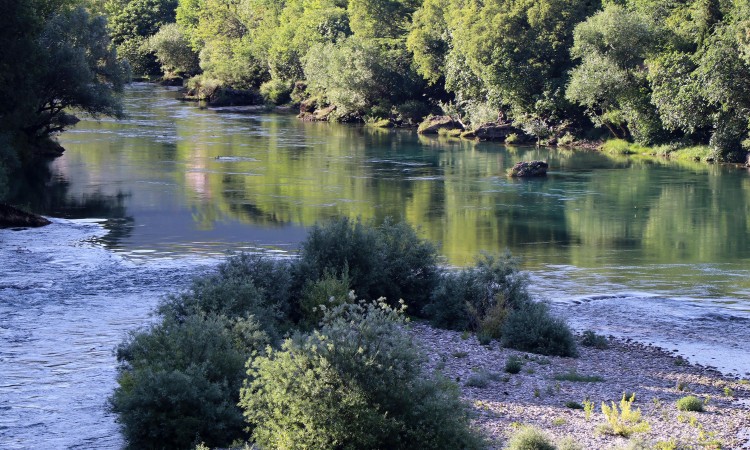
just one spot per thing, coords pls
(624, 421)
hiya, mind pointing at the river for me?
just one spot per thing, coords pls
(656, 251)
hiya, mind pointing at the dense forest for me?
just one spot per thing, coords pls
(652, 72)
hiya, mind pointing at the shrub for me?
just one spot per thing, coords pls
(530, 438)
(242, 286)
(479, 298)
(389, 260)
(179, 381)
(578, 378)
(355, 383)
(573, 405)
(625, 421)
(276, 91)
(513, 364)
(591, 339)
(690, 403)
(531, 328)
(317, 296)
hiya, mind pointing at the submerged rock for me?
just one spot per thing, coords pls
(432, 124)
(529, 169)
(11, 217)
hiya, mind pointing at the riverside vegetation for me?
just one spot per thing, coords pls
(308, 353)
(665, 74)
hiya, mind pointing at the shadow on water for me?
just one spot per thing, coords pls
(36, 189)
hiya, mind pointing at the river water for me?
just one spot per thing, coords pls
(650, 250)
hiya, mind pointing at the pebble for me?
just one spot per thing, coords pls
(534, 397)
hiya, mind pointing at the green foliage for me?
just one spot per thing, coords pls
(318, 296)
(389, 260)
(479, 298)
(611, 80)
(356, 75)
(623, 421)
(276, 91)
(690, 403)
(531, 328)
(180, 381)
(80, 72)
(513, 364)
(173, 51)
(578, 378)
(245, 285)
(481, 379)
(573, 405)
(530, 438)
(381, 19)
(591, 339)
(355, 383)
(617, 147)
(131, 22)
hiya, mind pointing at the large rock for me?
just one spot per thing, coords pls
(318, 115)
(11, 217)
(529, 169)
(498, 132)
(432, 124)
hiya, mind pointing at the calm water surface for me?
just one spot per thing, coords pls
(656, 251)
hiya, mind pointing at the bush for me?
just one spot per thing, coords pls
(276, 91)
(578, 378)
(690, 403)
(531, 328)
(479, 298)
(356, 383)
(318, 296)
(389, 260)
(530, 438)
(591, 339)
(513, 365)
(179, 381)
(242, 286)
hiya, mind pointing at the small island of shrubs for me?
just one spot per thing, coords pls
(313, 352)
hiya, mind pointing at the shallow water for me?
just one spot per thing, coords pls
(654, 251)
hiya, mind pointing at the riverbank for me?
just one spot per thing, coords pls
(503, 401)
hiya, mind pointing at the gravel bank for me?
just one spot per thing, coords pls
(534, 396)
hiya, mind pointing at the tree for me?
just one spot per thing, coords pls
(173, 50)
(611, 81)
(82, 73)
(55, 57)
(131, 22)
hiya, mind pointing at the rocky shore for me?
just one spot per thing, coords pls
(538, 394)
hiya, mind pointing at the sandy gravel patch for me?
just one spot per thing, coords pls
(504, 401)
